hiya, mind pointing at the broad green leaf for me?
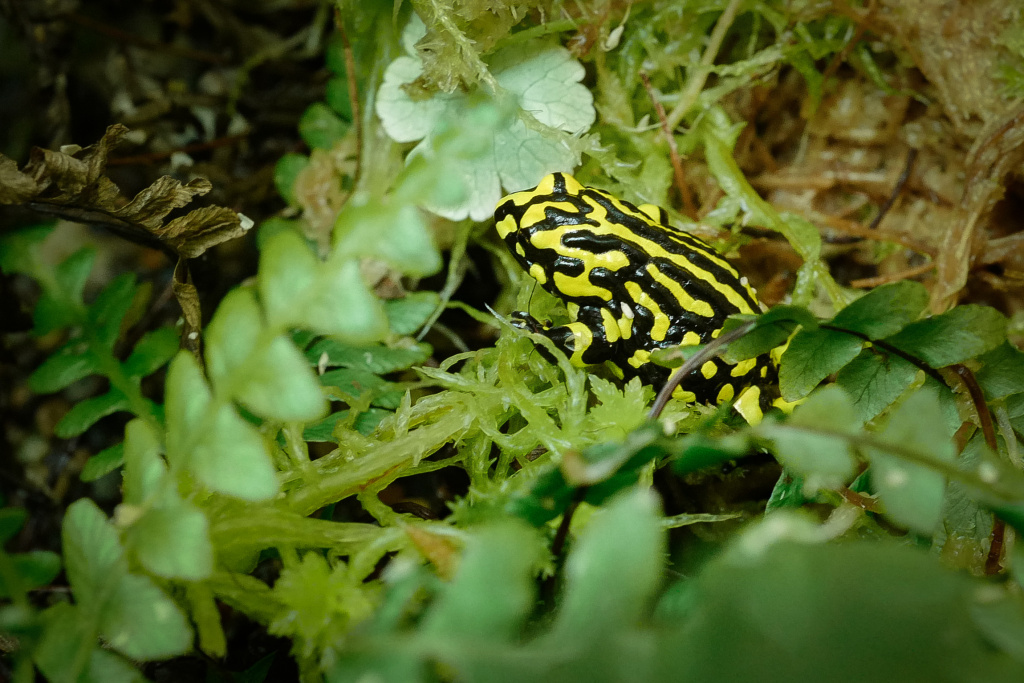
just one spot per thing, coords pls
(408, 314)
(232, 336)
(152, 351)
(93, 558)
(1002, 372)
(187, 400)
(885, 310)
(106, 667)
(376, 358)
(85, 414)
(953, 337)
(19, 250)
(493, 591)
(911, 491)
(321, 128)
(288, 272)
(277, 383)
(875, 379)
(11, 521)
(540, 78)
(171, 540)
(67, 644)
(393, 233)
(613, 569)
(103, 463)
(143, 623)
(107, 312)
(833, 612)
(34, 569)
(811, 442)
(286, 170)
(771, 329)
(813, 355)
(144, 468)
(62, 369)
(231, 457)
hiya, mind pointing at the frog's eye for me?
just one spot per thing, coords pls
(655, 213)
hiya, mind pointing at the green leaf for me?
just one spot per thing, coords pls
(366, 422)
(771, 329)
(493, 591)
(408, 314)
(875, 379)
(910, 491)
(11, 521)
(613, 569)
(540, 78)
(377, 358)
(172, 540)
(144, 468)
(187, 400)
(63, 369)
(813, 355)
(231, 457)
(825, 459)
(355, 382)
(321, 128)
(73, 272)
(286, 170)
(206, 616)
(832, 612)
(143, 623)
(85, 414)
(34, 569)
(106, 667)
(225, 452)
(154, 350)
(298, 289)
(953, 337)
(885, 310)
(93, 558)
(108, 310)
(395, 234)
(19, 250)
(279, 384)
(232, 335)
(1002, 372)
(66, 646)
(103, 463)
(337, 97)
(63, 307)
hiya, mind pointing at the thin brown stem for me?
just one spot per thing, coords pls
(690, 207)
(353, 93)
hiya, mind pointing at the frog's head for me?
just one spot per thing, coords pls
(520, 211)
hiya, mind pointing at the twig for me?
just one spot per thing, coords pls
(698, 359)
(673, 152)
(908, 167)
(353, 93)
(866, 282)
(138, 41)
(150, 157)
(993, 562)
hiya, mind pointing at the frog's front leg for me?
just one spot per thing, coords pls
(590, 339)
